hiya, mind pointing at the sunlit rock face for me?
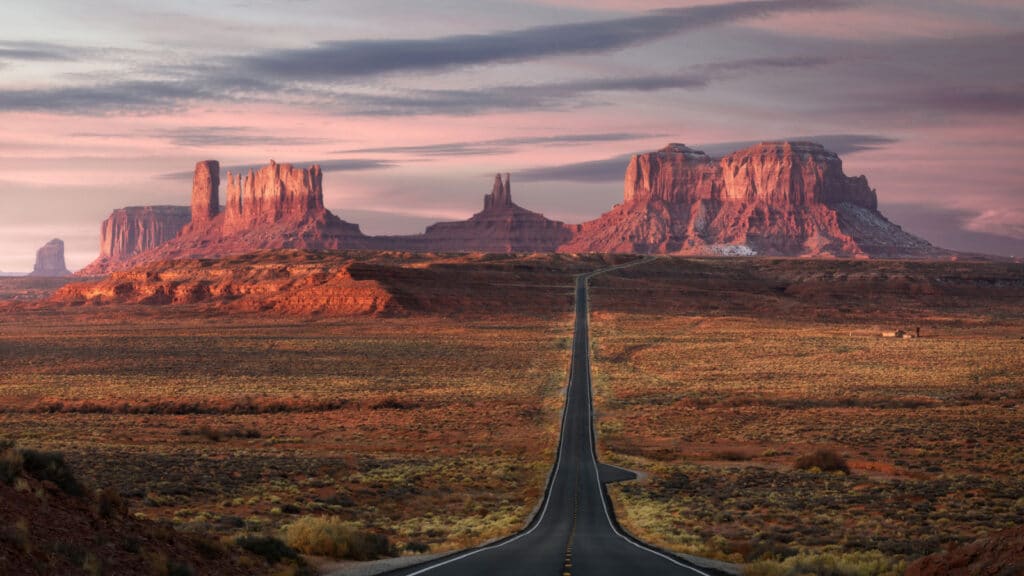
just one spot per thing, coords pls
(130, 231)
(276, 206)
(775, 198)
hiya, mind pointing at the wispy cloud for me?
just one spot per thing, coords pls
(206, 136)
(605, 170)
(330, 165)
(546, 96)
(37, 51)
(498, 145)
(361, 58)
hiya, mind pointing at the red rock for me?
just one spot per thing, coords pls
(130, 231)
(205, 194)
(776, 198)
(1001, 553)
(50, 260)
(502, 227)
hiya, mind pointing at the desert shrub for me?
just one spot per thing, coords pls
(52, 467)
(180, 569)
(391, 403)
(870, 563)
(731, 455)
(417, 547)
(330, 536)
(216, 435)
(11, 462)
(270, 548)
(824, 460)
(109, 503)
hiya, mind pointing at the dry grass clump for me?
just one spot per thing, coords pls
(871, 563)
(331, 536)
(824, 460)
(11, 462)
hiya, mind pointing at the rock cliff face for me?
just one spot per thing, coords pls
(50, 260)
(130, 231)
(277, 206)
(272, 194)
(776, 198)
(205, 192)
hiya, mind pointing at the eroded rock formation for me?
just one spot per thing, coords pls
(502, 226)
(776, 198)
(50, 260)
(130, 231)
(277, 206)
(205, 192)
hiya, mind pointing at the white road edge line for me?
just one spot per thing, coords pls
(548, 489)
(593, 447)
(561, 449)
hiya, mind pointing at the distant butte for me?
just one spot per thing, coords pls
(775, 198)
(50, 260)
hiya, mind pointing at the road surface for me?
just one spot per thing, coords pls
(573, 534)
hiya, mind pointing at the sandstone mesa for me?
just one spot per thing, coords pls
(50, 260)
(775, 198)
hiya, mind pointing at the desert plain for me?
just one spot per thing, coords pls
(433, 421)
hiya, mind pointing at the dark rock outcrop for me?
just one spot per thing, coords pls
(50, 260)
(776, 198)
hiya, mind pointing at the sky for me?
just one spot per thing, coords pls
(411, 106)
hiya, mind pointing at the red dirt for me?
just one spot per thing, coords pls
(1001, 554)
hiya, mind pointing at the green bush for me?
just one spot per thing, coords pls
(824, 460)
(331, 536)
(273, 549)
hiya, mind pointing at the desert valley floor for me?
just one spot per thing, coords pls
(772, 424)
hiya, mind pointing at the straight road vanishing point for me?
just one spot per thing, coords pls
(574, 533)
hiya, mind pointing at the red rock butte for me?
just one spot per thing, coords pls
(775, 198)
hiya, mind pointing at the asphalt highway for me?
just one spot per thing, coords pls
(574, 533)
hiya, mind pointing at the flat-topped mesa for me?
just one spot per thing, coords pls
(777, 198)
(799, 173)
(501, 193)
(205, 192)
(129, 231)
(775, 173)
(674, 174)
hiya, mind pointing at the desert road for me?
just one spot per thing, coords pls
(574, 532)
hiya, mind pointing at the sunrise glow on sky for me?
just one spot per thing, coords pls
(412, 106)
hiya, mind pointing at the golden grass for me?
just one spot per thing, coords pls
(430, 431)
(931, 429)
